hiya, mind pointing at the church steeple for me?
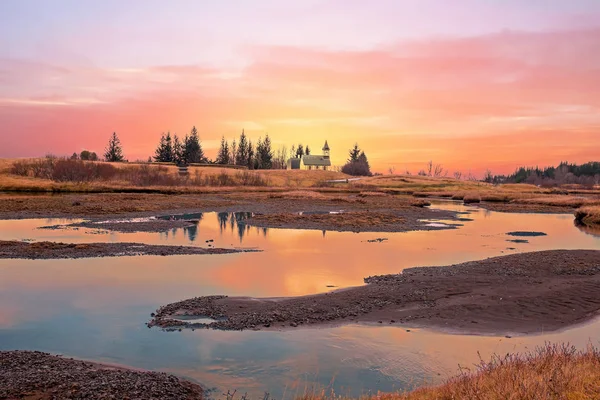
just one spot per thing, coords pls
(326, 150)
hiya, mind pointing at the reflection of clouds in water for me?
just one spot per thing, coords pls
(104, 302)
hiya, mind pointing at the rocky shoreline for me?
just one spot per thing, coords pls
(56, 250)
(516, 294)
(36, 375)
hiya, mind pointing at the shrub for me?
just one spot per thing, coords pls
(80, 171)
(20, 168)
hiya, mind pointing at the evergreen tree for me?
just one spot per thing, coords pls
(93, 156)
(257, 154)
(354, 153)
(223, 155)
(300, 151)
(114, 151)
(307, 151)
(266, 153)
(362, 158)
(164, 151)
(359, 166)
(241, 157)
(232, 156)
(74, 156)
(179, 156)
(85, 155)
(193, 148)
(250, 161)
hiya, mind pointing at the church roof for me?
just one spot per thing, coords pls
(318, 161)
(326, 147)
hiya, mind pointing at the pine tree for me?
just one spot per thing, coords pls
(241, 157)
(362, 158)
(178, 156)
(307, 151)
(193, 148)
(164, 151)
(250, 160)
(354, 153)
(266, 154)
(300, 151)
(223, 155)
(258, 154)
(232, 156)
(114, 151)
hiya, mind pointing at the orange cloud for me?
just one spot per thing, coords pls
(494, 101)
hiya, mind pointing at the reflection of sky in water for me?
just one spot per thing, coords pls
(96, 308)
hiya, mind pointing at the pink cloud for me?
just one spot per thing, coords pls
(525, 93)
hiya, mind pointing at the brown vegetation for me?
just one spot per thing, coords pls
(589, 215)
(553, 371)
(66, 175)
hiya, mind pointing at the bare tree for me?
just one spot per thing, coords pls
(488, 177)
(438, 170)
(422, 173)
(392, 170)
(457, 175)
(429, 167)
(280, 160)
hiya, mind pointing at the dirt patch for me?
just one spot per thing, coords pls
(36, 375)
(520, 293)
(55, 250)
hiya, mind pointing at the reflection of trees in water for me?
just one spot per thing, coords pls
(223, 217)
(236, 221)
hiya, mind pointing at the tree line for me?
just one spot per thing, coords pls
(246, 154)
(588, 173)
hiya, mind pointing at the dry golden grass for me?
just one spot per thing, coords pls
(312, 195)
(589, 215)
(372, 194)
(472, 198)
(275, 179)
(560, 201)
(549, 372)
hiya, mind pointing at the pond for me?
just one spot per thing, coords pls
(96, 308)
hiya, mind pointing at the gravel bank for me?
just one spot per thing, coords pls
(36, 375)
(520, 293)
(54, 250)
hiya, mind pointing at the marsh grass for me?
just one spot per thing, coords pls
(589, 215)
(552, 371)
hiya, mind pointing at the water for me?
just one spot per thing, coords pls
(96, 308)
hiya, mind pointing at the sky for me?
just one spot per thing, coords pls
(469, 84)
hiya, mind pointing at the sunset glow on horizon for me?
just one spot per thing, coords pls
(470, 84)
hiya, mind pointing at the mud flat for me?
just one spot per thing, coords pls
(55, 250)
(355, 221)
(150, 225)
(515, 294)
(36, 375)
